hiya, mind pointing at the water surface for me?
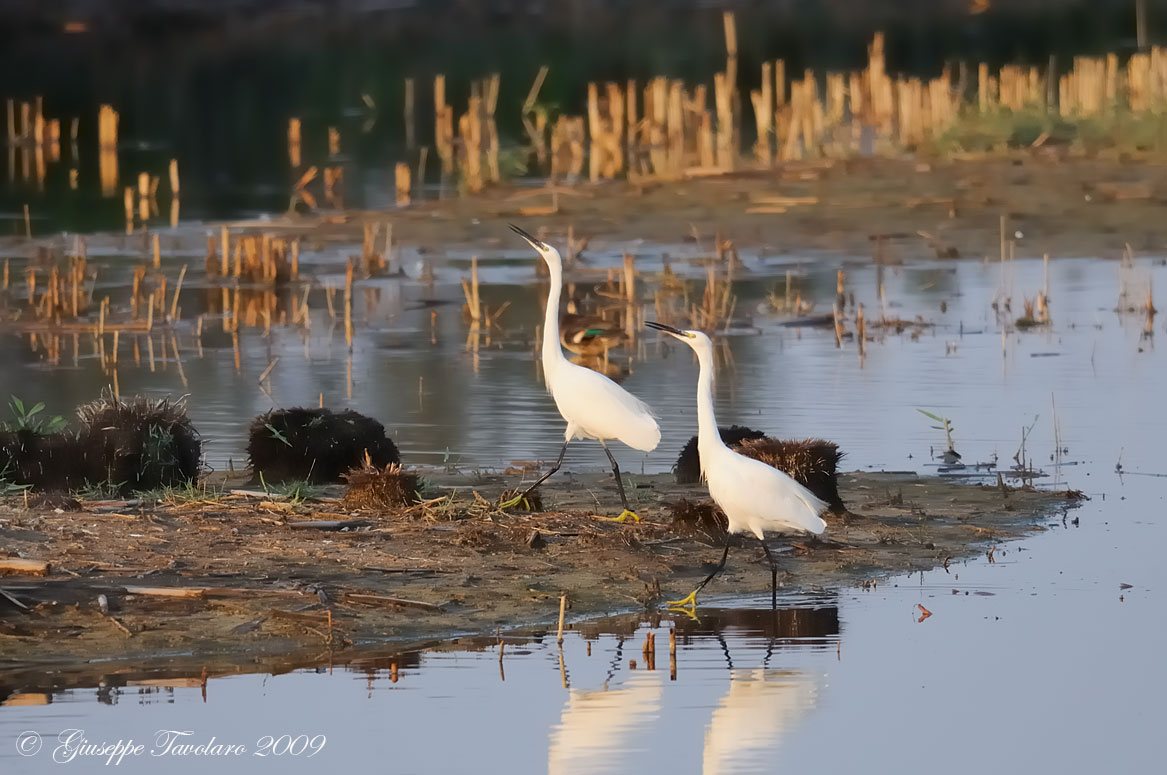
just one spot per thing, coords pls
(1041, 659)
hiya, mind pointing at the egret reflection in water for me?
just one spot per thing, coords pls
(607, 725)
(600, 726)
(761, 708)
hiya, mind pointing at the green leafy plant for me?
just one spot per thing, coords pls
(296, 491)
(100, 491)
(27, 419)
(945, 425)
(7, 486)
(159, 448)
(278, 435)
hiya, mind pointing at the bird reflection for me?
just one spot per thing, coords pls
(599, 727)
(762, 704)
(761, 708)
(602, 730)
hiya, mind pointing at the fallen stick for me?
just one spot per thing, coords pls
(8, 596)
(119, 625)
(22, 566)
(183, 592)
(169, 683)
(295, 616)
(201, 592)
(332, 524)
(392, 601)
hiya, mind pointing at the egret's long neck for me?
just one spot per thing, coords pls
(707, 434)
(552, 352)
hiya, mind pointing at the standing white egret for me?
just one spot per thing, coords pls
(755, 497)
(594, 406)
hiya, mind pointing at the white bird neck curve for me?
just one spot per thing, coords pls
(707, 435)
(552, 352)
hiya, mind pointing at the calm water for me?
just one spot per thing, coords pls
(1038, 661)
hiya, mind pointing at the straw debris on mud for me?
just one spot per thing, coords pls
(230, 571)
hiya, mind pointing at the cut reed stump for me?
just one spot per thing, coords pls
(316, 445)
(813, 463)
(380, 488)
(138, 444)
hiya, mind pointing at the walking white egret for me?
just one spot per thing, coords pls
(594, 406)
(755, 497)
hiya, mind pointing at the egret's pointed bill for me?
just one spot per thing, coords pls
(666, 329)
(534, 242)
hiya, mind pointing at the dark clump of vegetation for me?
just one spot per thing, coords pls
(316, 445)
(140, 444)
(687, 469)
(380, 488)
(698, 518)
(51, 501)
(40, 461)
(813, 463)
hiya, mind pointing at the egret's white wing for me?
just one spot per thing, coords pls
(598, 408)
(760, 498)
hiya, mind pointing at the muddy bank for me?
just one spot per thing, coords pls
(240, 579)
(886, 210)
(889, 210)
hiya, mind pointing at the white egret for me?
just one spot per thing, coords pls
(755, 497)
(594, 406)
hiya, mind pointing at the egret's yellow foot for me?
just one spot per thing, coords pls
(624, 517)
(688, 602)
(516, 501)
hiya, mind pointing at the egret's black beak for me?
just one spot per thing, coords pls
(663, 327)
(534, 242)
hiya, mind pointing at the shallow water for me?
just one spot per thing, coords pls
(1035, 659)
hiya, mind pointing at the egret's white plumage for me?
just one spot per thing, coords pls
(755, 497)
(594, 406)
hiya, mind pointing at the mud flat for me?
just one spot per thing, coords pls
(237, 582)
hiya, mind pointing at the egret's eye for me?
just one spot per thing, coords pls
(690, 334)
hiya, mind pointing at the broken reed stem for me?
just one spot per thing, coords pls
(861, 331)
(348, 304)
(177, 290)
(224, 258)
(410, 140)
(27, 223)
(294, 142)
(401, 173)
(629, 278)
(562, 611)
(129, 203)
(157, 253)
(475, 305)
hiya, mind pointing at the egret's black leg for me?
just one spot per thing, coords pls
(691, 600)
(523, 495)
(773, 575)
(627, 513)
